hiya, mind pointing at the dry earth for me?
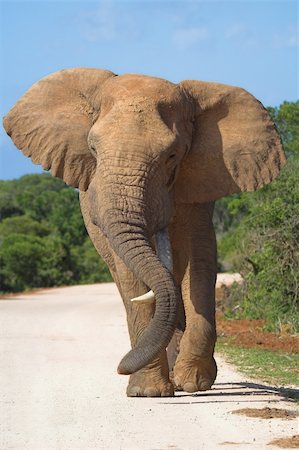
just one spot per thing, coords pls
(250, 333)
(60, 390)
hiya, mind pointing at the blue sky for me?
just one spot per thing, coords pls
(253, 44)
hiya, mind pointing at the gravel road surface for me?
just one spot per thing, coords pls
(59, 389)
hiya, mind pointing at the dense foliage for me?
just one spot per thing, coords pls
(43, 241)
(258, 235)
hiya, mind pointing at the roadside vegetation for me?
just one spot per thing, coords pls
(275, 368)
(43, 241)
(258, 236)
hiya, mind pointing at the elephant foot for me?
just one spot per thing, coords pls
(146, 385)
(195, 368)
(150, 382)
(195, 375)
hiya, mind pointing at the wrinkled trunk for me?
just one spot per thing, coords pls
(138, 255)
(123, 220)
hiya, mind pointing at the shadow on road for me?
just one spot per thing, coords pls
(232, 393)
(287, 393)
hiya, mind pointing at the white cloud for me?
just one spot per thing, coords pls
(234, 31)
(107, 23)
(187, 37)
(240, 35)
(286, 40)
(99, 24)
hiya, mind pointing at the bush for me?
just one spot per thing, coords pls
(262, 240)
(43, 240)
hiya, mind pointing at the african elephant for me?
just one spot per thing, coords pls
(150, 158)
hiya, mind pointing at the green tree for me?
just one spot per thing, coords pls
(287, 121)
(43, 240)
(30, 261)
(23, 225)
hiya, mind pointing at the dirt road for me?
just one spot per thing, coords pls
(60, 390)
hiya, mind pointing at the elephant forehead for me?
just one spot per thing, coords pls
(143, 89)
(136, 104)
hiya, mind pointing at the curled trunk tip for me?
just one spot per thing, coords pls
(159, 332)
(161, 328)
(121, 370)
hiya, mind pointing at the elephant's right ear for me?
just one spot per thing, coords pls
(51, 122)
(235, 145)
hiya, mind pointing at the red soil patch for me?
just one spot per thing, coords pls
(249, 333)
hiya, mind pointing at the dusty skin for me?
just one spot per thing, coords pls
(60, 389)
(150, 158)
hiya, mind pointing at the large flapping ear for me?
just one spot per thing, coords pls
(51, 122)
(235, 145)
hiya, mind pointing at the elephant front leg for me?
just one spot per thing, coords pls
(195, 261)
(152, 380)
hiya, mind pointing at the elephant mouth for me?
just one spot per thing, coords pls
(164, 253)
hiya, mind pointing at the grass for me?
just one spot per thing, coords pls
(277, 368)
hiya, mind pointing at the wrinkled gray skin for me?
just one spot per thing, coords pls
(149, 155)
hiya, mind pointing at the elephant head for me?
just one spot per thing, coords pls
(138, 145)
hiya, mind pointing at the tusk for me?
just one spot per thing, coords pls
(164, 253)
(149, 297)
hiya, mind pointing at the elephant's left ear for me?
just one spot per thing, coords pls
(235, 145)
(52, 120)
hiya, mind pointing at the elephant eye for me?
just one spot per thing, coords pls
(92, 150)
(171, 179)
(171, 159)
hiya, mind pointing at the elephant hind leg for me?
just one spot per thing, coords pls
(173, 351)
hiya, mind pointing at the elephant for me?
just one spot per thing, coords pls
(150, 158)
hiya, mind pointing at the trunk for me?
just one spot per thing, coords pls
(135, 250)
(123, 220)
(163, 249)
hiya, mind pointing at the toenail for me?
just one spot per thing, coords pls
(204, 386)
(190, 387)
(150, 392)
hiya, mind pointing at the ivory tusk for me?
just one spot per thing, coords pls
(164, 253)
(149, 297)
